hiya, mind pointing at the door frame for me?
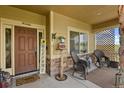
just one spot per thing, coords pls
(11, 23)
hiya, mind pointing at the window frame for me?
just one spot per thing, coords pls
(79, 31)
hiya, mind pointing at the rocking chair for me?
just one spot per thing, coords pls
(79, 65)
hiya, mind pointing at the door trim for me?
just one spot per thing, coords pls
(7, 22)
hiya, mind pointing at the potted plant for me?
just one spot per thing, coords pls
(61, 39)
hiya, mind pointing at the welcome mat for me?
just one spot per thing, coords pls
(27, 79)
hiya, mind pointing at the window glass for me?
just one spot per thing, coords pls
(40, 37)
(74, 41)
(8, 47)
(83, 43)
(78, 42)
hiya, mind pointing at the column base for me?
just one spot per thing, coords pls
(57, 77)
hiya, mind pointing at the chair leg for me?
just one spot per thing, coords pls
(100, 64)
(85, 71)
(85, 75)
(73, 72)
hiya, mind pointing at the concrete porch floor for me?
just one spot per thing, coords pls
(71, 82)
(50, 82)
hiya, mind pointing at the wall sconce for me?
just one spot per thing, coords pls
(53, 35)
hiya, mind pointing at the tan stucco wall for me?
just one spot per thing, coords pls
(60, 26)
(91, 42)
(21, 15)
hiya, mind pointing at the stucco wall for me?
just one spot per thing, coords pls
(60, 26)
(21, 15)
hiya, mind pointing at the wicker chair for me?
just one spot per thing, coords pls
(100, 56)
(79, 65)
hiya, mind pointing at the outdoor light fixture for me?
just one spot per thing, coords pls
(98, 13)
(53, 35)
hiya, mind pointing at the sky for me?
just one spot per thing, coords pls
(108, 37)
(117, 36)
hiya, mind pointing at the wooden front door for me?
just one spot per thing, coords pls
(25, 49)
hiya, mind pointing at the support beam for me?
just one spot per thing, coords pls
(121, 22)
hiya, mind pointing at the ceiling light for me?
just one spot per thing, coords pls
(98, 14)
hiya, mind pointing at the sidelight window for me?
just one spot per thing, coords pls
(8, 47)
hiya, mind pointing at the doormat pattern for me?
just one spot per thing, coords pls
(27, 79)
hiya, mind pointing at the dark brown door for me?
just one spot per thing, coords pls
(25, 49)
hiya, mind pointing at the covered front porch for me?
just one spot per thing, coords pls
(34, 41)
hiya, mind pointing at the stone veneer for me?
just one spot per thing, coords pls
(52, 67)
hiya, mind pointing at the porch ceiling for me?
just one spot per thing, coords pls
(91, 14)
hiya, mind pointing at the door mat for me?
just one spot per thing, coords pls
(27, 79)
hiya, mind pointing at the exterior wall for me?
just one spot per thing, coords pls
(91, 42)
(11, 23)
(59, 24)
(53, 65)
(21, 15)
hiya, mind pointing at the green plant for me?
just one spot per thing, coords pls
(61, 37)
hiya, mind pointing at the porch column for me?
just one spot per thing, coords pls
(121, 22)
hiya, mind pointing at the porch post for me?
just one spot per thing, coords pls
(121, 22)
